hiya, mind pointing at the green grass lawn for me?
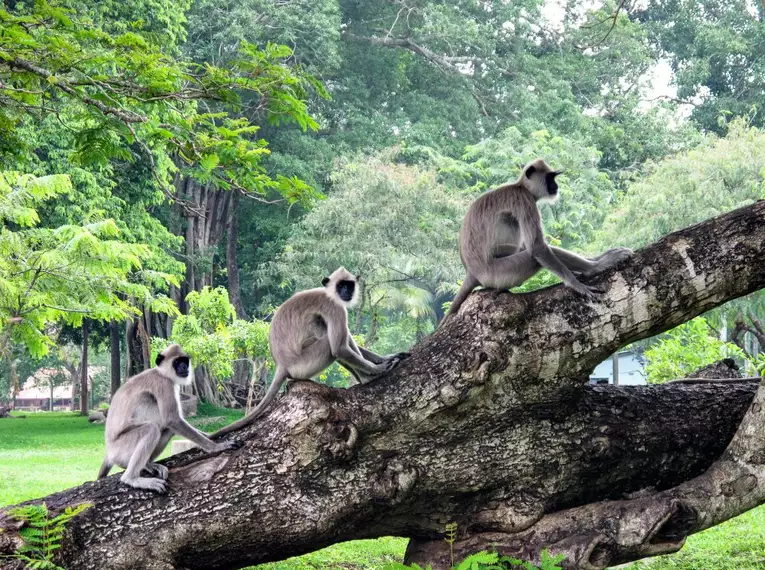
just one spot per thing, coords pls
(47, 452)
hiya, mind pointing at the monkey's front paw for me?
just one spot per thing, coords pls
(157, 485)
(618, 254)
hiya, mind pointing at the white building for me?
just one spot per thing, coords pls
(630, 370)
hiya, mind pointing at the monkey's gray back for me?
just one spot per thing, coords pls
(137, 403)
(489, 223)
(298, 337)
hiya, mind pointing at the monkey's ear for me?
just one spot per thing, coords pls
(325, 281)
(557, 172)
(530, 171)
(160, 358)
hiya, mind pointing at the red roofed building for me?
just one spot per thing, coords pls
(50, 384)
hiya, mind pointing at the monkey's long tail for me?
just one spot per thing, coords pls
(279, 377)
(468, 285)
(105, 468)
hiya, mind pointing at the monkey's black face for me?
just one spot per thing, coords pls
(552, 186)
(181, 366)
(345, 290)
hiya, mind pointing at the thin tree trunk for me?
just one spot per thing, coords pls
(145, 342)
(75, 383)
(84, 371)
(14, 377)
(114, 349)
(232, 267)
(490, 424)
(242, 364)
(137, 351)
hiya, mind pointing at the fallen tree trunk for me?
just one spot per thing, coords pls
(490, 424)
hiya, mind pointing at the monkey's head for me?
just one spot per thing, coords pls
(341, 286)
(539, 179)
(175, 364)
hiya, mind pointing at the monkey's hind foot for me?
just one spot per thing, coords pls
(152, 484)
(155, 470)
(395, 360)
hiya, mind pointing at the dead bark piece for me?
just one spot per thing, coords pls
(490, 425)
(725, 368)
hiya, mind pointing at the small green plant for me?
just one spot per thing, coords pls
(759, 364)
(492, 561)
(42, 534)
(451, 536)
(547, 562)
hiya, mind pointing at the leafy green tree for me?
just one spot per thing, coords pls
(61, 274)
(720, 175)
(90, 93)
(215, 339)
(125, 100)
(393, 224)
(447, 74)
(684, 350)
(127, 92)
(715, 48)
(162, 22)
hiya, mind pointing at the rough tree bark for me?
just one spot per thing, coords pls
(490, 424)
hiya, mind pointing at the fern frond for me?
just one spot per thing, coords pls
(43, 535)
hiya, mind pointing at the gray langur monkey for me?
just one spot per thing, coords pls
(309, 332)
(502, 242)
(144, 414)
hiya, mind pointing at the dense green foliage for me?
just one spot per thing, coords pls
(120, 119)
(49, 275)
(719, 175)
(684, 350)
(715, 48)
(213, 336)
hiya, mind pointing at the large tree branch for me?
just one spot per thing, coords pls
(489, 424)
(447, 62)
